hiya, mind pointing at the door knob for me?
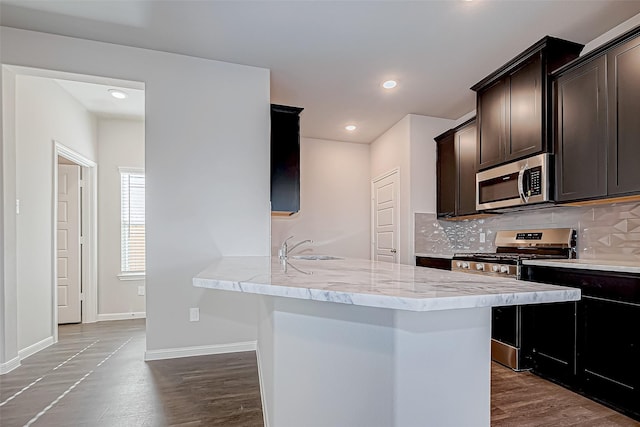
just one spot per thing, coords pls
(393, 251)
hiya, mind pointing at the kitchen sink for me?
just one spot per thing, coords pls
(316, 257)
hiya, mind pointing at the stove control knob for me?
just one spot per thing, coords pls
(479, 267)
(504, 269)
(458, 264)
(495, 268)
(465, 265)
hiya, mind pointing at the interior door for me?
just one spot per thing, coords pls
(386, 218)
(68, 229)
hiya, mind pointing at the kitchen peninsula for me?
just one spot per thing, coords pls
(349, 342)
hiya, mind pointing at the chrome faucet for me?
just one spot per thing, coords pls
(283, 253)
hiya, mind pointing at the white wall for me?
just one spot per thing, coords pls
(390, 151)
(334, 201)
(8, 291)
(409, 145)
(44, 112)
(207, 173)
(120, 144)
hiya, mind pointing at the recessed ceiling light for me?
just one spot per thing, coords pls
(118, 94)
(389, 84)
(350, 127)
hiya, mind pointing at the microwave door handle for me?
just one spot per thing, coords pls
(523, 196)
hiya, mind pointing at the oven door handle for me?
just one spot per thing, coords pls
(521, 192)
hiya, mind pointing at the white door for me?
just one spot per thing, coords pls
(386, 218)
(68, 230)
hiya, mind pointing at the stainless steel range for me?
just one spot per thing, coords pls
(513, 247)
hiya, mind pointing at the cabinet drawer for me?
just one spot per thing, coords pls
(439, 263)
(601, 284)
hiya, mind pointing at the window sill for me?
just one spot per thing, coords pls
(131, 276)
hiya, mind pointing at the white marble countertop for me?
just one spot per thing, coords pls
(589, 264)
(426, 255)
(374, 284)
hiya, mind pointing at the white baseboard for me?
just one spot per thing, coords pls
(122, 316)
(265, 414)
(9, 366)
(204, 350)
(34, 348)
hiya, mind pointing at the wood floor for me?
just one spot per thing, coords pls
(95, 376)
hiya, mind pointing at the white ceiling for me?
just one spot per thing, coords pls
(97, 99)
(330, 57)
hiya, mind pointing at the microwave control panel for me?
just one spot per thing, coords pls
(534, 182)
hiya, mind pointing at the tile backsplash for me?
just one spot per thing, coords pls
(604, 231)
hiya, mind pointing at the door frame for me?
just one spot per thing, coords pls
(89, 248)
(387, 174)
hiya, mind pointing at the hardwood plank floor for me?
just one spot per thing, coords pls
(115, 387)
(95, 376)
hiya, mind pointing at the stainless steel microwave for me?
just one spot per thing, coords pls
(523, 182)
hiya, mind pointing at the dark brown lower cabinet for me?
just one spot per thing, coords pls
(592, 346)
(433, 262)
(609, 354)
(550, 344)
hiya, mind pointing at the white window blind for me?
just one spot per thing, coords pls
(132, 241)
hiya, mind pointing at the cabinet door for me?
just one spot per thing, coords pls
(581, 132)
(466, 161)
(492, 119)
(549, 340)
(624, 117)
(446, 176)
(609, 352)
(285, 159)
(525, 112)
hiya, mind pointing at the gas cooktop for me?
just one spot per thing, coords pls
(515, 246)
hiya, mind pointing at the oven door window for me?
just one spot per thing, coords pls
(504, 187)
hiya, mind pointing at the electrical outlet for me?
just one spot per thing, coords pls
(141, 290)
(482, 237)
(17, 206)
(194, 314)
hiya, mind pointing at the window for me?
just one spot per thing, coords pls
(132, 240)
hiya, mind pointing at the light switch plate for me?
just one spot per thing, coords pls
(194, 314)
(141, 290)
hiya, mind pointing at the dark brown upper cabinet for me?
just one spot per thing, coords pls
(514, 118)
(456, 171)
(624, 117)
(285, 159)
(581, 132)
(597, 129)
(446, 175)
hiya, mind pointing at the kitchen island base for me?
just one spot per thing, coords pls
(329, 364)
